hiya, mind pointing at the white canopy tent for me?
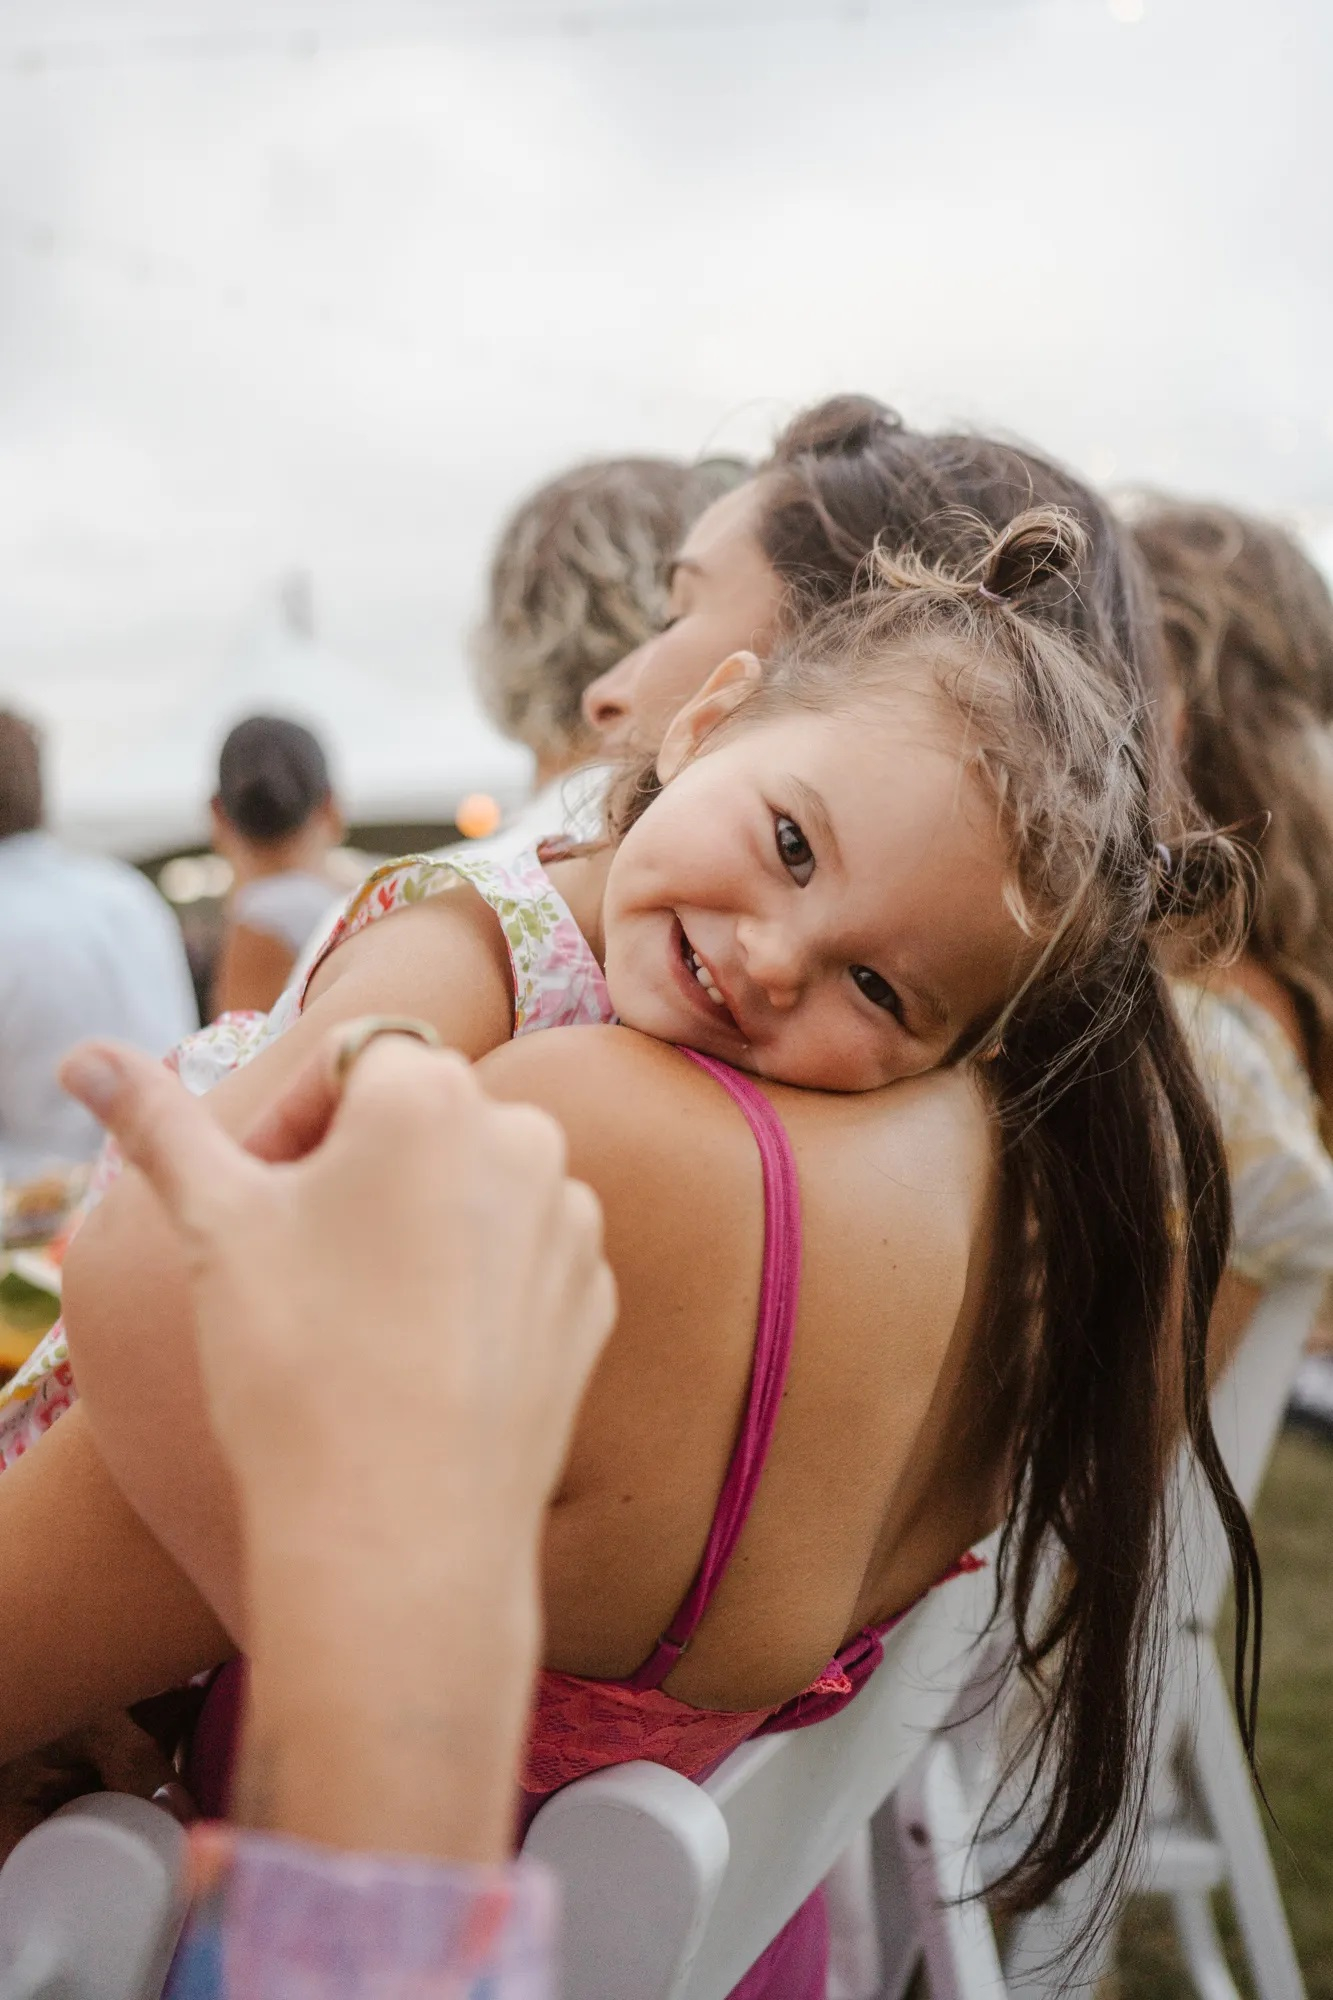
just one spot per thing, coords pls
(395, 754)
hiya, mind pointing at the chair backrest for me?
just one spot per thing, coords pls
(672, 1890)
(91, 1903)
(1247, 1407)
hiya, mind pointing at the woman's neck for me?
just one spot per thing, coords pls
(304, 852)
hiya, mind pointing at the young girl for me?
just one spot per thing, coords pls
(928, 833)
(1249, 629)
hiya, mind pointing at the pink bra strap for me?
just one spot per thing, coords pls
(778, 1296)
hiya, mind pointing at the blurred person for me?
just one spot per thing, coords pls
(391, 1673)
(276, 822)
(1249, 629)
(89, 948)
(578, 579)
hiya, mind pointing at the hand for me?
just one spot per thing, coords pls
(399, 1296)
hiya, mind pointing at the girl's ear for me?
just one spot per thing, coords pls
(724, 690)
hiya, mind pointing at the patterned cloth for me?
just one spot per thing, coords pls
(1281, 1176)
(557, 983)
(277, 1919)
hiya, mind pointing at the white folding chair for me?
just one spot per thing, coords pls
(1204, 1829)
(92, 1902)
(672, 1890)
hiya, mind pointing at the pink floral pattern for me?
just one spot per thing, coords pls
(557, 983)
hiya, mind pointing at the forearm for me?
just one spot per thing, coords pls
(390, 1685)
(100, 1615)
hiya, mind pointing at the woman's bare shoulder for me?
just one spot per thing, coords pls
(623, 1099)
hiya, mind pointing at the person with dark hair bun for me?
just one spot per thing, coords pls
(275, 820)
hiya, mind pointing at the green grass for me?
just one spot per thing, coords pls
(1294, 1526)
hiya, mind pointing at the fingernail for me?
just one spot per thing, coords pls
(94, 1077)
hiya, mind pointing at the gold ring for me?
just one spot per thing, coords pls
(362, 1033)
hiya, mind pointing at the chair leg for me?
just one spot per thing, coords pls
(1223, 1782)
(1205, 1961)
(855, 1968)
(1046, 1956)
(899, 1932)
(938, 1832)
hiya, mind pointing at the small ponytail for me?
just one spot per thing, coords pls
(1203, 888)
(1043, 543)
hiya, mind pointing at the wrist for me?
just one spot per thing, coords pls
(390, 1691)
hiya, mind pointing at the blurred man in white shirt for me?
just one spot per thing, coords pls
(87, 947)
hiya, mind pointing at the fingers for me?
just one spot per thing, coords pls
(300, 1119)
(406, 1097)
(185, 1157)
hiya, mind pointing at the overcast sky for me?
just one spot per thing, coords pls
(269, 298)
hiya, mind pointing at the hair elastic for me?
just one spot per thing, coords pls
(991, 596)
(1163, 853)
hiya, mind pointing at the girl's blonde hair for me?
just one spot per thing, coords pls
(1248, 622)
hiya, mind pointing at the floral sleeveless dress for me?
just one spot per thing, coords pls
(557, 984)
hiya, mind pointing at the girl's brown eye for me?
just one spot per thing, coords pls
(794, 849)
(878, 991)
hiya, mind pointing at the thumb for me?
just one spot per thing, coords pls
(187, 1159)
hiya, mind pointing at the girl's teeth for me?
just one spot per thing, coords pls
(706, 982)
(705, 979)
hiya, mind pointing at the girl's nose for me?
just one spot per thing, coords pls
(774, 962)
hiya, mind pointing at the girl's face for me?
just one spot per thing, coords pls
(725, 598)
(816, 898)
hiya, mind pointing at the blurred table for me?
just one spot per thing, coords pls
(29, 1306)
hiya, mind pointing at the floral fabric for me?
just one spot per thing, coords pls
(1281, 1176)
(557, 983)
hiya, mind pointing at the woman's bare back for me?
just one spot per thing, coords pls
(889, 1454)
